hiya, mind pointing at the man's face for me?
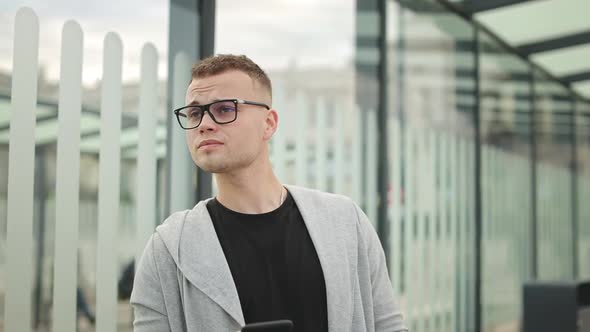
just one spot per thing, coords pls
(221, 148)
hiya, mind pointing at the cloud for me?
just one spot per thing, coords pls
(136, 22)
(275, 33)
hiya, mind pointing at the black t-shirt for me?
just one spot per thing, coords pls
(274, 265)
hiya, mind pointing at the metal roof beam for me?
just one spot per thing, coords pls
(555, 43)
(577, 77)
(476, 6)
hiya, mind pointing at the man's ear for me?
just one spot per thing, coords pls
(271, 124)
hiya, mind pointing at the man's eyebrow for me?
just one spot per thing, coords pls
(196, 103)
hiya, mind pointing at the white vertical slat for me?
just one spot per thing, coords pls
(485, 207)
(554, 184)
(515, 221)
(453, 228)
(558, 214)
(548, 208)
(542, 215)
(339, 145)
(526, 219)
(566, 243)
(21, 162)
(432, 242)
(279, 144)
(321, 144)
(526, 194)
(516, 218)
(146, 158)
(567, 199)
(395, 206)
(356, 175)
(462, 191)
(563, 238)
(491, 223)
(182, 167)
(426, 166)
(439, 266)
(371, 166)
(549, 211)
(420, 207)
(444, 252)
(555, 213)
(108, 194)
(67, 180)
(459, 195)
(499, 221)
(301, 143)
(409, 243)
(540, 220)
(471, 234)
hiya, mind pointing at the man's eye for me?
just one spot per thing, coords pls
(227, 109)
(195, 113)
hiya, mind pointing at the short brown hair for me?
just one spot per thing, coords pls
(221, 63)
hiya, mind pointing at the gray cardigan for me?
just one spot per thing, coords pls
(183, 282)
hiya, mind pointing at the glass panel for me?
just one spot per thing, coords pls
(583, 186)
(553, 124)
(432, 159)
(505, 119)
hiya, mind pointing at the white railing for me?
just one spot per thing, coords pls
(19, 255)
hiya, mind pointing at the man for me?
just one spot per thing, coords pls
(258, 251)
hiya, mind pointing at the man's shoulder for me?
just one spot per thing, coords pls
(170, 230)
(176, 220)
(318, 196)
(173, 222)
(324, 204)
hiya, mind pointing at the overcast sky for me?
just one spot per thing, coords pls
(272, 32)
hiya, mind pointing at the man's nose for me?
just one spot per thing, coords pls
(207, 123)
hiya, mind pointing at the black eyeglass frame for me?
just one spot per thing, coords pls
(205, 109)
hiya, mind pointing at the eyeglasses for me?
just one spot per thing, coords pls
(221, 111)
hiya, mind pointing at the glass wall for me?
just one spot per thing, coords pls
(505, 120)
(553, 133)
(437, 83)
(582, 120)
(432, 166)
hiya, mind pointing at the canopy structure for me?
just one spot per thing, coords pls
(555, 34)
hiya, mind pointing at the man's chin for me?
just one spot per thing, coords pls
(212, 168)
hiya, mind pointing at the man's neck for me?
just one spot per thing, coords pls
(250, 191)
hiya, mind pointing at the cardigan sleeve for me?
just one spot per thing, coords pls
(387, 313)
(147, 297)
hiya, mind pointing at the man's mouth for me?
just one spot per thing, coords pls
(210, 143)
